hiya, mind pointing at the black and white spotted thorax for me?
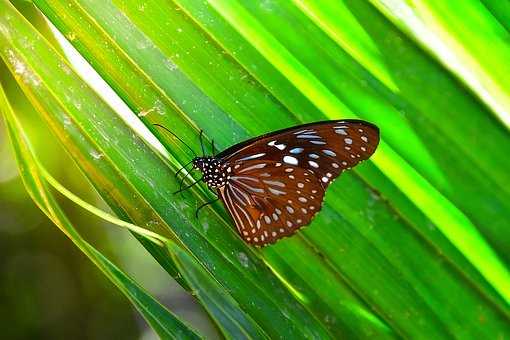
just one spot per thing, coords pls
(214, 173)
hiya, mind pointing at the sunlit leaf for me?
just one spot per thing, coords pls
(412, 243)
(164, 323)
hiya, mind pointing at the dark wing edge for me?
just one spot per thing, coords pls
(237, 147)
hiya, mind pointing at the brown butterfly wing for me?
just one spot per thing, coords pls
(276, 182)
(323, 147)
(269, 201)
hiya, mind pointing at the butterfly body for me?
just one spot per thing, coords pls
(212, 169)
(274, 184)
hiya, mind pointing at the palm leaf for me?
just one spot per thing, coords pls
(165, 324)
(404, 246)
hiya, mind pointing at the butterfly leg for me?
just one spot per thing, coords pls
(180, 186)
(205, 204)
(187, 187)
(184, 167)
(183, 179)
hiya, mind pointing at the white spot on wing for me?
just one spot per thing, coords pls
(329, 153)
(314, 164)
(256, 166)
(308, 136)
(259, 190)
(258, 155)
(290, 160)
(277, 183)
(296, 150)
(278, 146)
(303, 131)
(276, 192)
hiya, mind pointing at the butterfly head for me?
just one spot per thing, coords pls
(211, 168)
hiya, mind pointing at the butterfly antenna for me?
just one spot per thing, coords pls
(213, 148)
(173, 134)
(202, 142)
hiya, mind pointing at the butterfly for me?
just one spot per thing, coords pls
(274, 184)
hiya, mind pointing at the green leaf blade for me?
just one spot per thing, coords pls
(164, 323)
